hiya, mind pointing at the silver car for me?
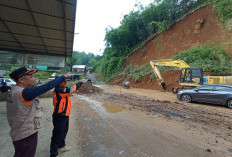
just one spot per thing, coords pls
(212, 93)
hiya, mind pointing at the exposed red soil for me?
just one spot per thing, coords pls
(196, 28)
(171, 80)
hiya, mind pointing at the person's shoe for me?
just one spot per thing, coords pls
(64, 149)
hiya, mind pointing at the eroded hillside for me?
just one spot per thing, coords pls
(194, 29)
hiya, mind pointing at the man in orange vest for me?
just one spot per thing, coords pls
(127, 84)
(62, 107)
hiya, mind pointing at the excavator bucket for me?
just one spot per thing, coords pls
(163, 85)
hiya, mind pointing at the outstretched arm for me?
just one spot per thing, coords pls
(30, 93)
(69, 90)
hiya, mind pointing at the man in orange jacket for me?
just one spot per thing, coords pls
(62, 107)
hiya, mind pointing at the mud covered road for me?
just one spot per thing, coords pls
(137, 122)
(148, 123)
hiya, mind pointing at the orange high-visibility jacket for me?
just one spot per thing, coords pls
(61, 100)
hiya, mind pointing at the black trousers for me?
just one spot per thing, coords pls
(60, 130)
(26, 147)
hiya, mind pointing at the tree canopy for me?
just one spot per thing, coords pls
(81, 58)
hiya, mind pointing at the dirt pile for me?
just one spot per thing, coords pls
(171, 79)
(88, 89)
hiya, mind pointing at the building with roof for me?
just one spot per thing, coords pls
(79, 68)
(36, 32)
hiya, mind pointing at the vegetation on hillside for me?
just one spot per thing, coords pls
(142, 23)
(224, 9)
(210, 57)
(137, 27)
(136, 73)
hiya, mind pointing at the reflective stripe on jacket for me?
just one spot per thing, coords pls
(61, 100)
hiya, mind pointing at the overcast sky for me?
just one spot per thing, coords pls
(93, 16)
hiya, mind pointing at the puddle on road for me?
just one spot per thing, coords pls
(103, 108)
(99, 86)
(112, 108)
(107, 108)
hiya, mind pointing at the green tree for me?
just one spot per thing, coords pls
(79, 58)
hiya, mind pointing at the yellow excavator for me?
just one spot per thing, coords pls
(189, 76)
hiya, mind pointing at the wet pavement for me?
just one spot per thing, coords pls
(110, 127)
(136, 122)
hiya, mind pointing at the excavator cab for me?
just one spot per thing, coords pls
(191, 76)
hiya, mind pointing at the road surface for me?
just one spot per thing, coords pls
(134, 123)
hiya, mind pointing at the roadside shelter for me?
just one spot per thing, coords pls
(79, 68)
(36, 31)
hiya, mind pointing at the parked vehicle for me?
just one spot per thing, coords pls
(212, 93)
(9, 82)
(74, 77)
(4, 88)
(53, 75)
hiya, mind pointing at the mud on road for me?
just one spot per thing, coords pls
(113, 121)
(205, 128)
(215, 120)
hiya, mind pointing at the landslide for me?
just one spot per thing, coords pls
(171, 80)
(194, 29)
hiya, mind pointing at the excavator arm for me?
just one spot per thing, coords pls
(158, 75)
(169, 62)
(166, 62)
